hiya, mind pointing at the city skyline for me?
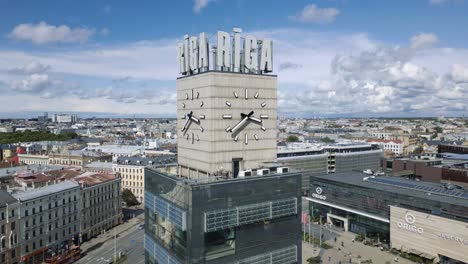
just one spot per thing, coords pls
(333, 58)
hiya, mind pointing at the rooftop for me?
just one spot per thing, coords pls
(92, 178)
(425, 190)
(145, 161)
(6, 198)
(44, 191)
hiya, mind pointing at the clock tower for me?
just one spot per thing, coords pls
(227, 122)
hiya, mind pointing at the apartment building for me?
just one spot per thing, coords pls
(9, 239)
(101, 203)
(48, 219)
(132, 172)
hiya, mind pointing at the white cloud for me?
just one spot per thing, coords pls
(33, 83)
(314, 14)
(30, 68)
(43, 33)
(460, 73)
(424, 40)
(200, 4)
(319, 73)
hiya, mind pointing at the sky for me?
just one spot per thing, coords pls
(332, 57)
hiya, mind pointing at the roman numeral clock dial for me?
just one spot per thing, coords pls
(192, 106)
(252, 118)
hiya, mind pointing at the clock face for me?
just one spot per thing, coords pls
(240, 121)
(192, 117)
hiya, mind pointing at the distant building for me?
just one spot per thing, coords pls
(101, 203)
(49, 219)
(77, 158)
(9, 229)
(450, 148)
(421, 218)
(132, 172)
(65, 118)
(394, 146)
(31, 159)
(333, 158)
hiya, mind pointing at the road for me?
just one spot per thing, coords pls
(130, 242)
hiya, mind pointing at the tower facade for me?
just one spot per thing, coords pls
(226, 127)
(227, 122)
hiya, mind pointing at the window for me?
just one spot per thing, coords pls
(26, 213)
(13, 226)
(220, 243)
(26, 249)
(34, 210)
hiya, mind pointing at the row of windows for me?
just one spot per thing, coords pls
(133, 177)
(3, 215)
(41, 244)
(64, 223)
(56, 204)
(128, 170)
(13, 241)
(100, 209)
(135, 184)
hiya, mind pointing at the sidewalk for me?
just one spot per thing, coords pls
(102, 238)
(357, 251)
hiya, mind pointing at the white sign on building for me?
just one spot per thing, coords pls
(428, 235)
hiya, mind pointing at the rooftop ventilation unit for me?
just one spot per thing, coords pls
(282, 170)
(246, 173)
(263, 172)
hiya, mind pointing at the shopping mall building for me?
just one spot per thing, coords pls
(427, 219)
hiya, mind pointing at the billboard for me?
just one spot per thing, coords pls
(428, 235)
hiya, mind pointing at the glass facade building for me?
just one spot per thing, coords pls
(362, 204)
(335, 158)
(244, 220)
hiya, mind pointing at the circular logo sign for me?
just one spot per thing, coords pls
(410, 219)
(318, 190)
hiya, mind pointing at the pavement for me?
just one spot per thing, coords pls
(129, 240)
(348, 252)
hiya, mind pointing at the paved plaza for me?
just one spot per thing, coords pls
(348, 252)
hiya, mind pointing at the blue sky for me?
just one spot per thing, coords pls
(341, 57)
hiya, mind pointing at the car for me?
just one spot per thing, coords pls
(140, 227)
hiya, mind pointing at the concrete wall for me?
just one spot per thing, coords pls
(216, 147)
(431, 236)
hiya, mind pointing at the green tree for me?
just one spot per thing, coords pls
(31, 136)
(438, 129)
(327, 140)
(129, 198)
(292, 138)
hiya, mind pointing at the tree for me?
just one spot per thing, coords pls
(292, 138)
(129, 198)
(438, 129)
(327, 140)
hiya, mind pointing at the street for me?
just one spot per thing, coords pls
(129, 242)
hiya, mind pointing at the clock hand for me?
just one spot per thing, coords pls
(189, 119)
(195, 119)
(242, 122)
(255, 119)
